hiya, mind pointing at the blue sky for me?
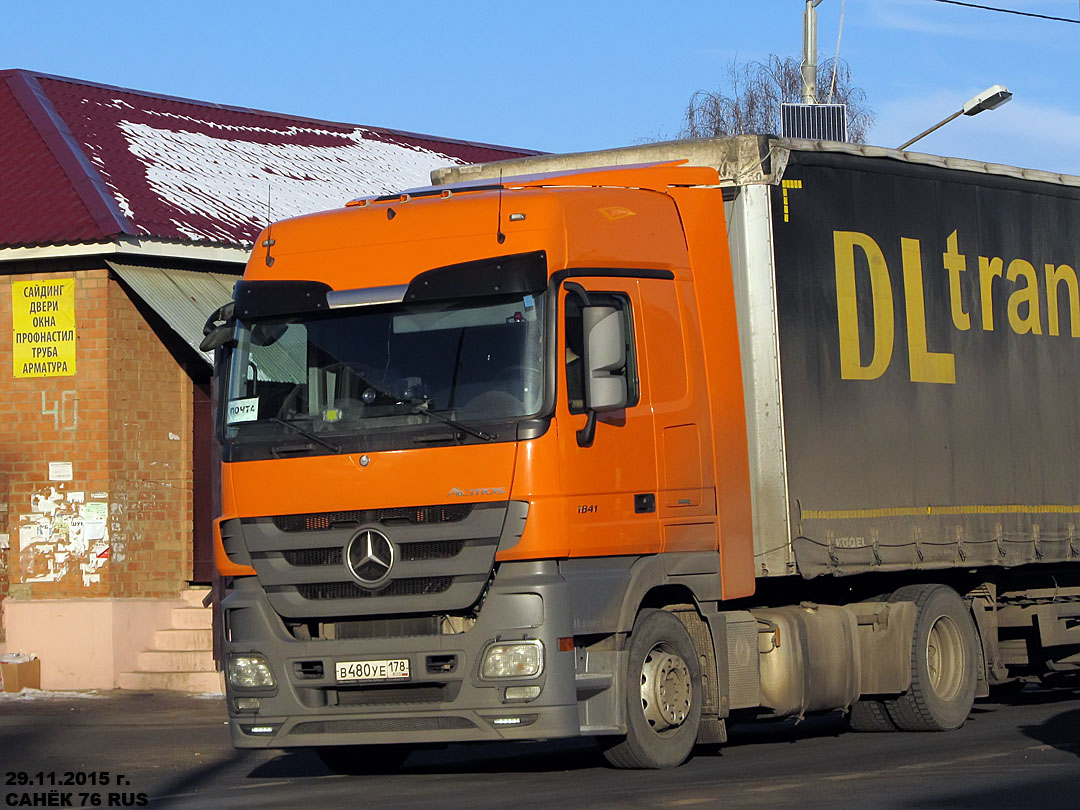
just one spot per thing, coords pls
(569, 76)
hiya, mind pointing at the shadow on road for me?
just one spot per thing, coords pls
(192, 782)
(1038, 695)
(762, 732)
(477, 758)
(1059, 731)
(547, 757)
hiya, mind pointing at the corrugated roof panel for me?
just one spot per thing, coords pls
(191, 171)
(183, 298)
(38, 203)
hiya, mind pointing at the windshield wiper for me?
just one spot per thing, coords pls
(307, 434)
(422, 408)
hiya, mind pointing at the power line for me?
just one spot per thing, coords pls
(1009, 11)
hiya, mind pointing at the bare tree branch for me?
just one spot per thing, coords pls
(755, 91)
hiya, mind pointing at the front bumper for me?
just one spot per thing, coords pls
(444, 700)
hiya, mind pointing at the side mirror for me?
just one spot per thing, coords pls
(218, 329)
(605, 353)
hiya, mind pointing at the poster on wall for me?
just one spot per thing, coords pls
(43, 328)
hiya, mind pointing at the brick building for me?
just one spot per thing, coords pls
(125, 217)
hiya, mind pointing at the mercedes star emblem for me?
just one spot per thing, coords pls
(369, 557)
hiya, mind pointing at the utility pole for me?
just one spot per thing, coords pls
(809, 53)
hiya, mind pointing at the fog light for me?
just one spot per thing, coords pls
(261, 729)
(513, 659)
(522, 692)
(250, 671)
(247, 704)
(508, 721)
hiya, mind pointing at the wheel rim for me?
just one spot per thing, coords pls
(945, 664)
(666, 689)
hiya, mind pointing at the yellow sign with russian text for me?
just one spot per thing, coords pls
(43, 328)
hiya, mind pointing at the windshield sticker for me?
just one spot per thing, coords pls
(243, 410)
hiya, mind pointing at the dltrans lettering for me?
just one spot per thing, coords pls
(1023, 305)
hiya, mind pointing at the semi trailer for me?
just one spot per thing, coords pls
(630, 443)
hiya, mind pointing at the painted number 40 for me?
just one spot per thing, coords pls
(64, 411)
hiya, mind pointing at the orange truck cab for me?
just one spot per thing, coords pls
(499, 463)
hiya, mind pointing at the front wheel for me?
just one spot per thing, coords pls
(944, 657)
(663, 695)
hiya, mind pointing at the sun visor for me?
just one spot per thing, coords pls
(501, 275)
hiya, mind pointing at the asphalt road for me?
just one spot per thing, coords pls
(173, 751)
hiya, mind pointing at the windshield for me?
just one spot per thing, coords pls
(377, 368)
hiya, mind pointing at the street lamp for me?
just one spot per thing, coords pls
(989, 99)
(809, 53)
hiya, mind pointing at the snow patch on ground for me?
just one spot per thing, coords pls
(44, 694)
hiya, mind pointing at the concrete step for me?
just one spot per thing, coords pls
(175, 661)
(172, 681)
(190, 618)
(184, 640)
(194, 596)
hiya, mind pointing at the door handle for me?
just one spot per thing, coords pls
(645, 503)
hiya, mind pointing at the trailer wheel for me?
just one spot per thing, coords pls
(944, 656)
(870, 715)
(663, 695)
(359, 760)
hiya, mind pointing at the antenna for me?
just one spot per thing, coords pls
(836, 59)
(268, 242)
(499, 235)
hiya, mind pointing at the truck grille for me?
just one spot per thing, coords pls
(435, 550)
(421, 586)
(415, 515)
(444, 556)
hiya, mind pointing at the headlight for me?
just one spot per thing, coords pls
(513, 659)
(250, 671)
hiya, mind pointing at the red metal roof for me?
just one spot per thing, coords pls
(83, 162)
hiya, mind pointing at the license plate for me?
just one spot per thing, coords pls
(391, 669)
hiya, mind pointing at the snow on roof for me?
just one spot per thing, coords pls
(86, 162)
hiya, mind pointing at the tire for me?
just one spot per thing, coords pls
(663, 695)
(944, 655)
(870, 715)
(359, 760)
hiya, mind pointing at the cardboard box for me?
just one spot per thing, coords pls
(15, 677)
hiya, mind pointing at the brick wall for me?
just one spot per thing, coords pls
(149, 430)
(122, 525)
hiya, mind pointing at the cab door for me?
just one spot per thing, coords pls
(609, 485)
